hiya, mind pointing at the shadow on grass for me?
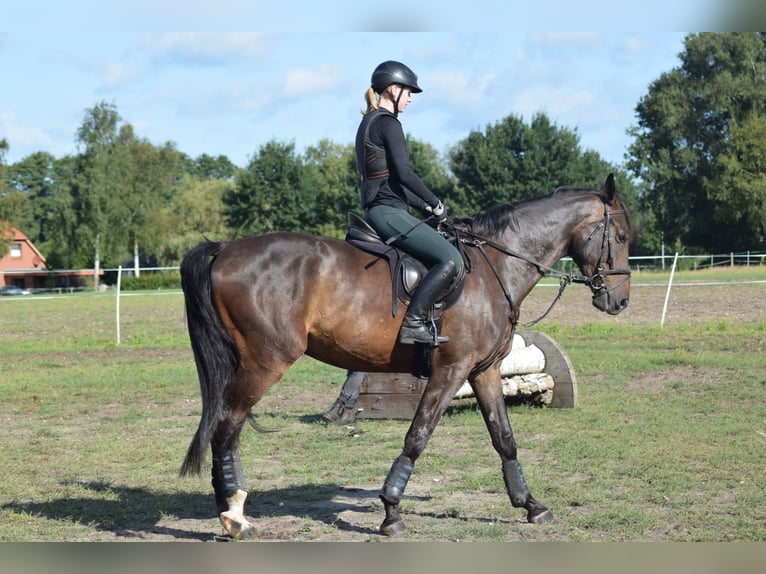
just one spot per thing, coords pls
(139, 513)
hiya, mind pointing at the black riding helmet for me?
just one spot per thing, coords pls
(392, 72)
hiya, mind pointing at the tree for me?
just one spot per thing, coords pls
(511, 161)
(274, 192)
(695, 142)
(195, 214)
(96, 190)
(11, 203)
(35, 177)
(148, 175)
(333, 167)
(428, 164)
(206, 166)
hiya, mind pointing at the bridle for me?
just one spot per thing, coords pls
(596, 282)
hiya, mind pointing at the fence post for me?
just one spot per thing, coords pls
(117, 311)
(667, 295)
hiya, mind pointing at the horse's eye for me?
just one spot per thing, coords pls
(621, 238)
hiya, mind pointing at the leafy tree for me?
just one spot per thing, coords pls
(62, 222)
(35, 177)
(696, 144)
(11, 202)
(196, 213)
(511, 161)
(274, 192)
(333, 167)
(96, 190)
(148, 175)
(206, 166)
(427, 163)
(739, 191)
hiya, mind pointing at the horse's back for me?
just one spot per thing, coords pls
(300, 287)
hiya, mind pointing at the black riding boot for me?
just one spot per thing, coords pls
(434, 285)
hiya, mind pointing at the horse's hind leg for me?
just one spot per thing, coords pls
(230, 489)
(228, 476)
(489, 395)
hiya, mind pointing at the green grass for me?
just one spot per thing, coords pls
(667, 442)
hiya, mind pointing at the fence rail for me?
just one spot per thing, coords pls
(638, 262)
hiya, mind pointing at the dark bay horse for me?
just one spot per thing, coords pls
(255, 305)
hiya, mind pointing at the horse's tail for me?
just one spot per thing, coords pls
(214, 350)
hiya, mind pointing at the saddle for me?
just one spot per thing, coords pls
(406, 271)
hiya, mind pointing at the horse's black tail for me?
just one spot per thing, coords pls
(215, 353)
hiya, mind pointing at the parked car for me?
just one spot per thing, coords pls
(13, 290)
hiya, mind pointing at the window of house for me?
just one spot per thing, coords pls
(16, 250)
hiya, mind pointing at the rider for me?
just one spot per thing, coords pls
(390, 186)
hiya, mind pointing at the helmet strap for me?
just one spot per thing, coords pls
(396, 102)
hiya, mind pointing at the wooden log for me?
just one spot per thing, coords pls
(396, 395)
(558, 366)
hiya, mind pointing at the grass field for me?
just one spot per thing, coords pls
(668, 441)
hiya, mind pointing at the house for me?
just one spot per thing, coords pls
(24, 266)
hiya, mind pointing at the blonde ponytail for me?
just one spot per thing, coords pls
(372, 101)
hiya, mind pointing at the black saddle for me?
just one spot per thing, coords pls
(406, 270)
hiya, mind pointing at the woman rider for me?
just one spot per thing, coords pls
(390, 186)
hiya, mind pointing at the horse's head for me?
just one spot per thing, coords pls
(600, 249)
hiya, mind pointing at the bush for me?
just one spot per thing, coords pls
(151, 281)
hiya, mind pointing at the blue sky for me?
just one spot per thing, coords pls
(229, 93)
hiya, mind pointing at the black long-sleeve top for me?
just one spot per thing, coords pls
(402, 187)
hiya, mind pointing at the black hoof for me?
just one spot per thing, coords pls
(542, 517)
(394, 528)
(247, 533)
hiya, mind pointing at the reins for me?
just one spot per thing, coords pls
(596, 282)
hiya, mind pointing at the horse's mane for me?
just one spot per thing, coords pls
(492, 221)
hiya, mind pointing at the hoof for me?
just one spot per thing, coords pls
(394, 528)
(236, 527)
(541, 517)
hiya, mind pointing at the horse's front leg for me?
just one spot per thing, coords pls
(436, 398)
(489, 394)
(230, 487)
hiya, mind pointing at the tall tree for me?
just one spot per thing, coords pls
(11, 202)
(35, 176)
(274, 192)
(148, 177)
(195, 214)
(96, 189)
(511, 161)
(697, 131)
(334, 171)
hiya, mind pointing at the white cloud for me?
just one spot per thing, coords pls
(558, 103)
(301, 81)
(208, 47)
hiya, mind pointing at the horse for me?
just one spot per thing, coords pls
(256, 305)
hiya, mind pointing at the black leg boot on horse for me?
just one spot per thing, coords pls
(230, 492)
(415, 328)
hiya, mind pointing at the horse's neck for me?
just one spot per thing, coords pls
(543, 236)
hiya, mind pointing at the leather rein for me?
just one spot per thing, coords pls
(596, 282)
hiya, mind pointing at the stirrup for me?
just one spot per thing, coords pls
(421, 334)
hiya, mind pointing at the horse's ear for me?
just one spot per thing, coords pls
(609, 188)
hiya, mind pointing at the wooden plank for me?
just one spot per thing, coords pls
(390, 396)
